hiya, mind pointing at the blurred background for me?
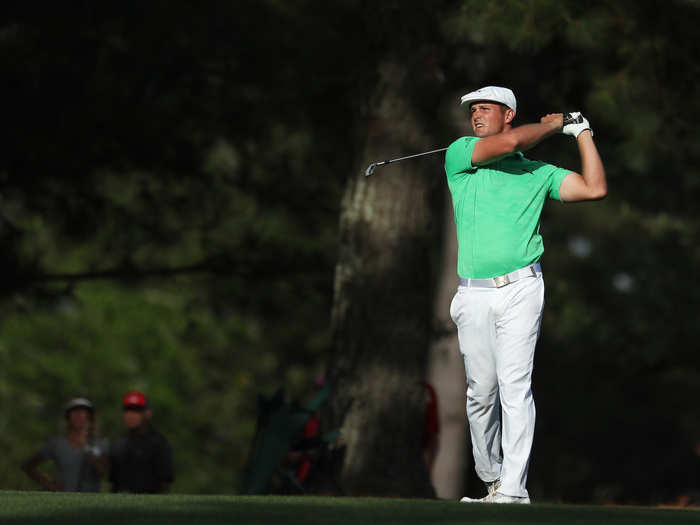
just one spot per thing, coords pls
(172, 186)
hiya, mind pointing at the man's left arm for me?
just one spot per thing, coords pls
(590, 184)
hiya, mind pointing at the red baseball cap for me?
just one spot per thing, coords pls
(135, 399)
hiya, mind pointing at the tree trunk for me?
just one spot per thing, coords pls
(446, 373)
(382, 302)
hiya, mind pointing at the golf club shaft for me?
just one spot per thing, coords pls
(411, 156)
(371, 167)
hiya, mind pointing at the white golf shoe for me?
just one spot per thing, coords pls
(497, 497)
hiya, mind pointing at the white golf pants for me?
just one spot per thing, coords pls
(498, 330)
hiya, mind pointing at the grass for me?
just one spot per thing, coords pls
(48, 508)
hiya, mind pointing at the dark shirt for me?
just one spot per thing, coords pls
(141, 462)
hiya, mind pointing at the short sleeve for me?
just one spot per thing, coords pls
(556, 177)
(458, 158)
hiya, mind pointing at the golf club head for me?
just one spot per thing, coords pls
(370, 169)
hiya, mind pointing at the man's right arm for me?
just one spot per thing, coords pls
(522, 138)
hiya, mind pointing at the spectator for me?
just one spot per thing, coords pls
(141, 461)
(79, 456)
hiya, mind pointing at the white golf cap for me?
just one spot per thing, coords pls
(491, 94)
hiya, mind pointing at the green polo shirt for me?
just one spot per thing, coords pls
(497, 209)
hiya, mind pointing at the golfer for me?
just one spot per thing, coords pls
(498, 196)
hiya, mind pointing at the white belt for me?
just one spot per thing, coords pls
(502, 280)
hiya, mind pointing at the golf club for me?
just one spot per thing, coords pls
(569, 118)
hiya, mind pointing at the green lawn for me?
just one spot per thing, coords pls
(44, 508)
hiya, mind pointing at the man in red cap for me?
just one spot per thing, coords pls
(141, 461)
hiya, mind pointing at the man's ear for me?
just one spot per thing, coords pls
(510, 115)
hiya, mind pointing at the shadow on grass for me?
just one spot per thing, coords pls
(59, 509)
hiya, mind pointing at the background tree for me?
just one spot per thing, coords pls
(384, 276)
(381, 305)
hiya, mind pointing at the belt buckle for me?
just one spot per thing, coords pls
(501, 281)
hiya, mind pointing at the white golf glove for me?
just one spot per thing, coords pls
(575, 123)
